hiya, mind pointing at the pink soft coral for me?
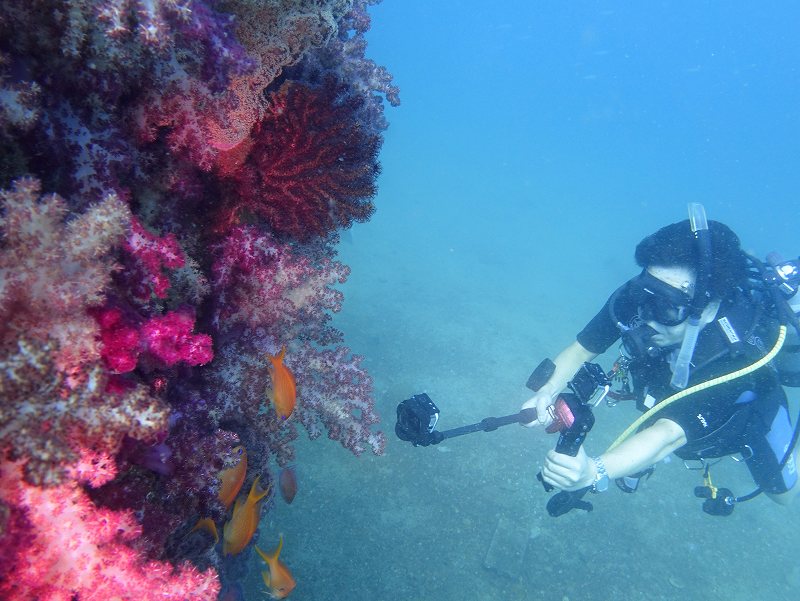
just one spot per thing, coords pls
(52, 269)
(55, 394)
(60, 546)
(44, 417)
(337, 394)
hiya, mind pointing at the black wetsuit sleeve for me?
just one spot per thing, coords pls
(600, 333)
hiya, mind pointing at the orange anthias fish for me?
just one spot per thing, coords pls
(209, 526)
(284, 389)
(243, 523)
(231, 479)
(279, 579)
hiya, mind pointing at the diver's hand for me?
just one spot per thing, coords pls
(569, 473)
(540, 401)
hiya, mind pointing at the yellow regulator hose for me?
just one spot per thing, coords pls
(702, 386)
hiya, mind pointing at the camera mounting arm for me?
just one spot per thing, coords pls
(488, 424)
(418, 415)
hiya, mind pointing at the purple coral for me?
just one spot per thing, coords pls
(260, 282)
(337, 394)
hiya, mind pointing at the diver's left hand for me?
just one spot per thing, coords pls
(569, 473)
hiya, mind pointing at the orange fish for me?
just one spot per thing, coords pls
(209, 526)
(243, 523)
(279, 579)
(284, 389)
(231, 479)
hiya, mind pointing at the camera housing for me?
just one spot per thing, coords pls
(416, 420)
(587, 382)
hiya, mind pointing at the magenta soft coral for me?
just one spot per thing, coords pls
(150, 254)
(61, 546)
(312, 165)
(167, 338)
(121, 340)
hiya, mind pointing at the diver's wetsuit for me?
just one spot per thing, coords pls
(748, 415)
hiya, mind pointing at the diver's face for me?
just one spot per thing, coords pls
(680, 278)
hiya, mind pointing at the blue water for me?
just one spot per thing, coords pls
(537, 143)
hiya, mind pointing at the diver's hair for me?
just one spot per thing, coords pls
(674, 245)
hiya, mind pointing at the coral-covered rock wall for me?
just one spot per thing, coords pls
(173, 178)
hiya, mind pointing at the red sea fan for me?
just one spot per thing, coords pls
(312, 165)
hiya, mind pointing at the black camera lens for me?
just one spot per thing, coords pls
(408, 427)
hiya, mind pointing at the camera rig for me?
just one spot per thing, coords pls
(571, 414)
(417, 418)
(418, 415)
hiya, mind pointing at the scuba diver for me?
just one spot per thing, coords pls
(696, 314)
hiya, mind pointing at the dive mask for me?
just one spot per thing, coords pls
(658, 301)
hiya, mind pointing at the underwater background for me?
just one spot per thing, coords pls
(537, 143)
(228, 188)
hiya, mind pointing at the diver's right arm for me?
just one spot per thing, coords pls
(567, 364)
